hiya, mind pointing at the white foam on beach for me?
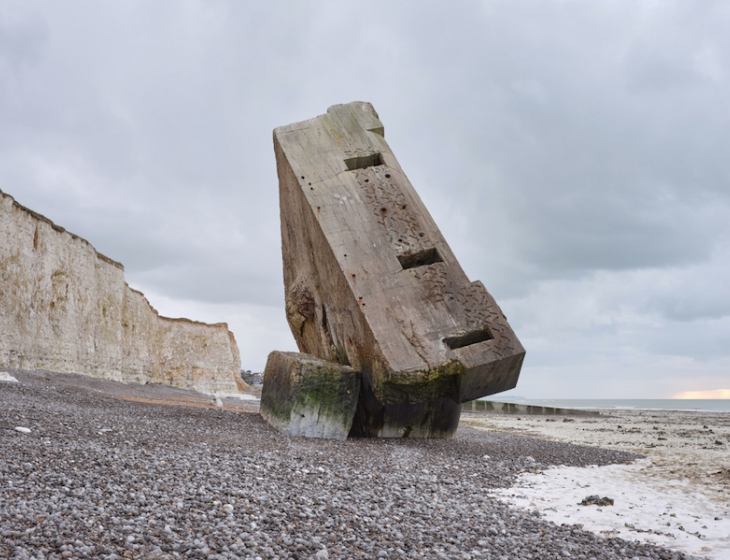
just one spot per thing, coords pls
(672, 513)
(5, 376)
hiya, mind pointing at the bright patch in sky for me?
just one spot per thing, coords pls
(715, 394)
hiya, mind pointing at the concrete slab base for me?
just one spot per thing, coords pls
(306, 396)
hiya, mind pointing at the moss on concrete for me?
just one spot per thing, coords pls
(306, 396)
(421, 386)
(332, 393)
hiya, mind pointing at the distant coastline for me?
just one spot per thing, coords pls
(705, 405)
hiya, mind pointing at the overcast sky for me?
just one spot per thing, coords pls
(576, 156)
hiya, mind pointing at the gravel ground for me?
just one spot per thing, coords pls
(100, 477)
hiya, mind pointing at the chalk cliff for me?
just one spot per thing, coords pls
(67, 308)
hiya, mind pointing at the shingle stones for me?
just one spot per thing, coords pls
(371, 283)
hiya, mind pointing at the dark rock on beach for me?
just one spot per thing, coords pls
(596, 500)
(101, 477)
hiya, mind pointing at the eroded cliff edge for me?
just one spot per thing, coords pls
(67, 308)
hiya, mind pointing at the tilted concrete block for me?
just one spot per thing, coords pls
(306, 396)
(370, 281)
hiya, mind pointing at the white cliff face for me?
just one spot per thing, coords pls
(64, 307)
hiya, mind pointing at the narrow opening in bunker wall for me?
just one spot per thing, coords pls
(468, 339)
(361, 162)
(421, 258)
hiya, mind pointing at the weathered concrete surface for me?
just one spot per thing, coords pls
(65, 307)
(371, 282)
(306, 396)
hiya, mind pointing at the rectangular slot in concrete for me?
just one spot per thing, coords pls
(468, 339)
(361, 162)
(421, 258)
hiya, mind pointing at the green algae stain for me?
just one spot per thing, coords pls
(332, 394)
(420, 386)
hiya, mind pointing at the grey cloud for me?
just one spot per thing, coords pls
(214, 283)
(688, 308)
(674, 339)
(23, 36)
(693, 295)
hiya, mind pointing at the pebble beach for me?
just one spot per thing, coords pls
(677, 496)
(106, 470)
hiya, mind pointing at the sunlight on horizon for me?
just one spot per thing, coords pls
(714, 394)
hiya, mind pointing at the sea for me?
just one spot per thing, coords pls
(706, 405)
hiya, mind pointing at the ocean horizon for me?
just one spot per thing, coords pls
(706, 405)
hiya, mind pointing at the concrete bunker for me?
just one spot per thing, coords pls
(372, 286)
